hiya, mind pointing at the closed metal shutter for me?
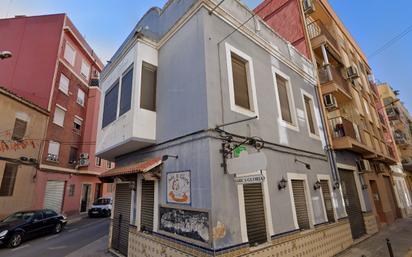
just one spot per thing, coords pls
(255, 214)
(147, 205)
(301, 207)
(121, 218)
(392, 200)
(53, 197)
(352, 203)
(328, 200)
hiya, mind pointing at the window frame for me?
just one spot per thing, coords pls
(72, 62)
(253, 111)
(62, 75)
(84, 65)
(10, 186)
(117, 84)
(131, 69)
(294, 125)
(71, 190)
(84, 97)
(64, 116)
(146, 64)
(97, 161)
(13, 136)
(77, 131)
(314, 116)
(58, 150)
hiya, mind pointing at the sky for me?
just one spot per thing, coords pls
(106, 23)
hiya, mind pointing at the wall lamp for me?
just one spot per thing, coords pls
(5, 54)
(317, 185)
(282, 184)
(307, 165)
(166, 157)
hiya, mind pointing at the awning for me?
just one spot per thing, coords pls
(141, 167)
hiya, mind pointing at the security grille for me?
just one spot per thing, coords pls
(300, 204)
(255, 214)
(327, 200)
(121, 218)
(147, 205)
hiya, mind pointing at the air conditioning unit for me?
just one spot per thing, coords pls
(84, 156)
(363, 165)
(83, 162)
(330, 101)
(308, 6)
(352, 72)
(380, 168)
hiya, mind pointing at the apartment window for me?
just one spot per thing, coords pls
(53, 152)
(70, 54)
(110, 187)
(72, 188)
(310, 114)
(19, 130)
(8, 180)
(80, 97)
(77, 124)
(98, 161)
(148, 87)
(73, 155)
(126, 92)
(59, 114)
(64, 84)
(85, 69)
(109, 165)
(240, 82)
(284, 99)
(110, 105)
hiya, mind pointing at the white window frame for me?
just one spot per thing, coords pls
(335, 213)
(62, 89)
(51, 142)
(66, 57)
(314, 115)
(96, 162)
(250, 79)
(84, 97)
(85, 67)
(64, 116)
(81, 123)
(294, 125)
(311, 215)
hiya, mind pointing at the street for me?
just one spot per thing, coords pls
(71, 239)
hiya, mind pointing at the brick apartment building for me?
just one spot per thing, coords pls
(54, 67)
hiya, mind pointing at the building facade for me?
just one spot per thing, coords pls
(55, 68)
(218, 141)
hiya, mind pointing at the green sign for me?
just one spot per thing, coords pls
(238, 150)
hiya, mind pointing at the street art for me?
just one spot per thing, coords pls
(15, 145)
(178, 187)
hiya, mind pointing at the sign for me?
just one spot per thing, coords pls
(178, 187)
(247, 163)
(250, 179)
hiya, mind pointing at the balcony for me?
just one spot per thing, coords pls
(333, 82)
(319, 34)
(393, 113)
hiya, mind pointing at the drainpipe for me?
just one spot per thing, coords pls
(326, 61)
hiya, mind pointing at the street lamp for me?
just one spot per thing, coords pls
(5, 54)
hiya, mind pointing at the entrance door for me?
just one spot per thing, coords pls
(255, 214)
(85, 197)
(377, 201)
(121, 218)
(98, 191)
(392, 200)
(53, 196)
(328, 200)
(352, 203)
(147, 206)
(301, 207)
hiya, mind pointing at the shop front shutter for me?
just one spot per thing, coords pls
(300, 204)
(255, 214)
(121, 218)
(147, 205)
(53, 197)
(328, 200)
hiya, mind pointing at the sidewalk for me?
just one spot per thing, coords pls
(96, 249)
(400, 235)
(76, 218)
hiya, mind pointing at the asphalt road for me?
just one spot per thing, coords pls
(72, 238)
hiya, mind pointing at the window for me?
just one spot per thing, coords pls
(80, 97)
(98, 161)
(73, 155)
(240, 83)
(72, 188)
(283, 98)
(64, 84)
(8, 180)
(77, 125)
(59, 114)
(53, 152)
(109, 165)
(69, 54)
(19, 130)
(310, 114)
(110, 187)
(126, 92)
(85, 69)
(110, 105)
(148, 87)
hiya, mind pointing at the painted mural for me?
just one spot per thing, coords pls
(178, 187)
(188, 223)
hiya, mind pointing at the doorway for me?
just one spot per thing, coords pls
(85, 197)
(255, 214)
(377, 201)
(98, 191)
(121, 218)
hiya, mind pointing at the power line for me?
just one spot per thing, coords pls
(391, 42)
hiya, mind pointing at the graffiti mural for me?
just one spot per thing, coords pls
(178, 187)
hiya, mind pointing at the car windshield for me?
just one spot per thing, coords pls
(26, 216)
(102, 201)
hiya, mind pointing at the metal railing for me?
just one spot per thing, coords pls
(344, 128)
(317, 28)
(334, 75)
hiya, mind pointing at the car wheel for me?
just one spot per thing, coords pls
(109, 213)
(58, 228)
(15, 240)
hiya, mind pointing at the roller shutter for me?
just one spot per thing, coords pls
(392, 199)
(255, 214)
(300, 204)
(147, 205)
(53, 197)
(352, 203)
(121, 218)
(327, 200)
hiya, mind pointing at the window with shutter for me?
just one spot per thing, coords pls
(301, 208)
(59, 114)
(110, 105)
(283, 95)
(69, 54)
(77, 125)
(240, 82)
(19, 130)
(53, 151)
(98, 162)
(73, 155)
(310, 114)
(8, 180)
(126, 92)
(80, 97)
(148, 88)
(64, 84)
(85, 69)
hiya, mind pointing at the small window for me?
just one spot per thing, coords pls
(98, 161)
(110, 187)
(64, 84)
(8, 180)
(148, 87)
(73, 155)
(59, 114)
(310, 114)
(80, 97)
(53, 152)
(110, 105)
(126, 92)
(19, 130)
(77, 125)
(283, 98)
(85, 70)
(72, 188)
(70, 54)
(240, 82)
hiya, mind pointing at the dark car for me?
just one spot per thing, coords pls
(102, 207)
(28, 224)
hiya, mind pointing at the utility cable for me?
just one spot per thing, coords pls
(391, 42)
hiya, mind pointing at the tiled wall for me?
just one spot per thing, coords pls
(370, 223)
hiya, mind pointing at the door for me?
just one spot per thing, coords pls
(301, 207)
(327, 199)
(352, 203)
(146, 220)
(121, 218)
(98, 191)
(53, 196)
(255, 214)
(377, 201)
(85, 197)
(391, 196)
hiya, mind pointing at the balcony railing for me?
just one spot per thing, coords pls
(344, 128)
(317, 28)
(335, 75)
(52, 157)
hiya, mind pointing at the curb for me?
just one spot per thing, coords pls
(75, 219)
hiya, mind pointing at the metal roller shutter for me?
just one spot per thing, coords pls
(53, 196)
(328, 200)
(352, 204)
(121, 218)
(300, 204)
(147, 205)
(255, 214)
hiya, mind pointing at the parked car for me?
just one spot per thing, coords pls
(102, 207)
(24, 225)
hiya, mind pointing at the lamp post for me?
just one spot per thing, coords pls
(5, 55)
